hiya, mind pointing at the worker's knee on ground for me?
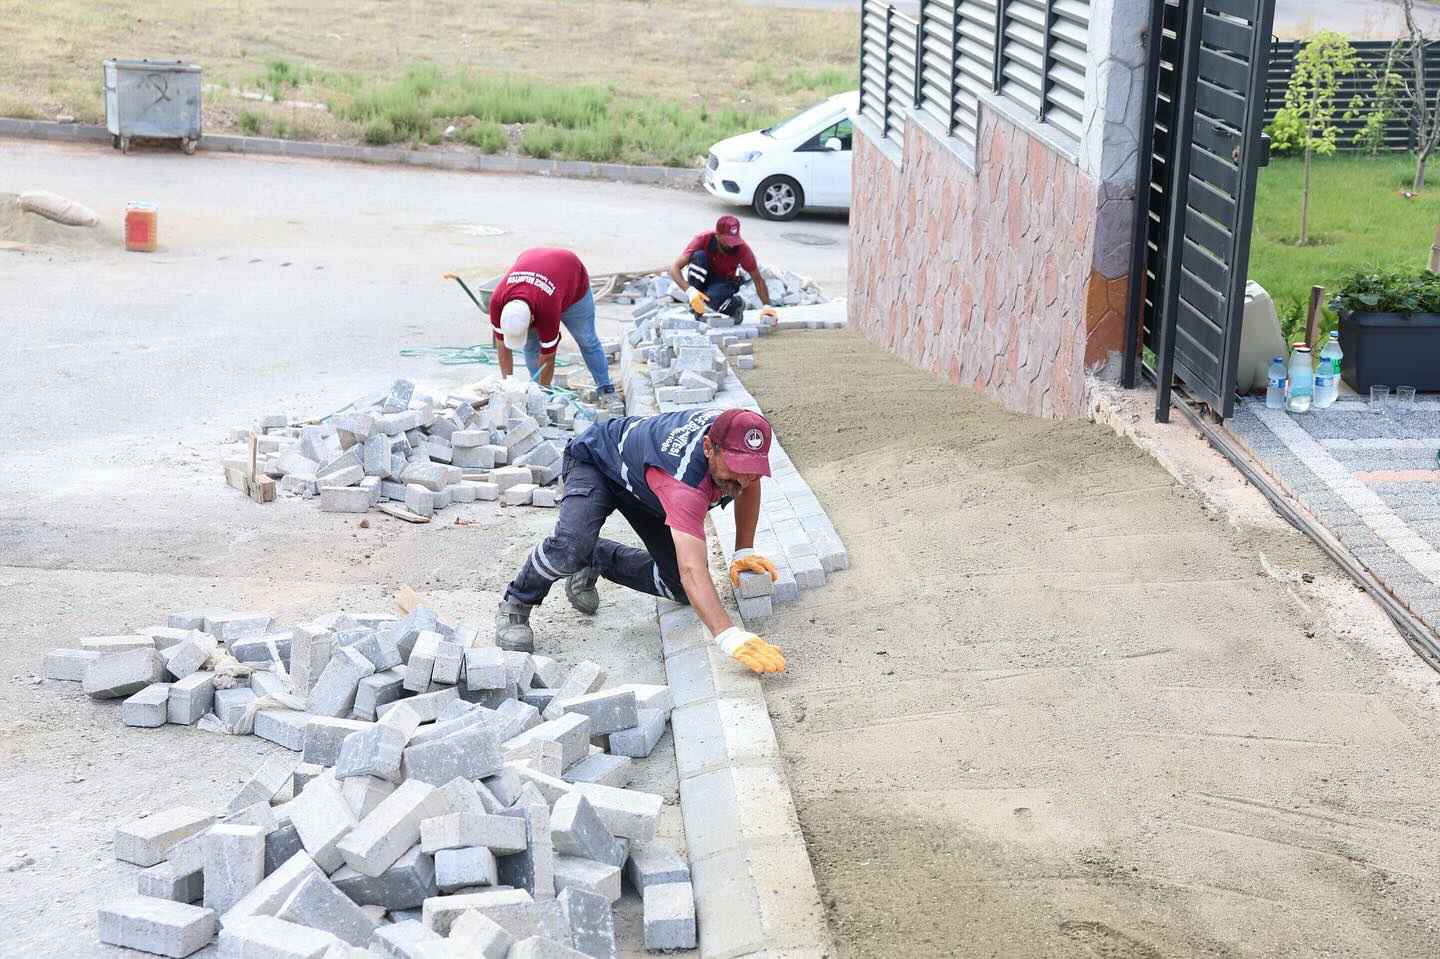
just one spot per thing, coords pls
(565, 557)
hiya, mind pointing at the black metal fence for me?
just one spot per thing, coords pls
(1373, 55)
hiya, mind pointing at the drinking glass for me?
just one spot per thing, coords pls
(1404, 400)
(1380, 400)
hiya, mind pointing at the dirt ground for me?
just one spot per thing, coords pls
(1060, 707)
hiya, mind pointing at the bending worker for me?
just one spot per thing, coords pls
(663, 473)
(706, 271)
(548, 288)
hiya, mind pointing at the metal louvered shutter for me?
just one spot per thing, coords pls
(1065, 73)
(975, 63)
(937, 60)
(1022, 53)
(873, 55)
(904, 37)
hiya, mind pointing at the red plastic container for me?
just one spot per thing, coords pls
(141, 226)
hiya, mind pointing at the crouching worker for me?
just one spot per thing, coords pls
(663, 474)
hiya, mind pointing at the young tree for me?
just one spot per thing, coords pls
(1313, 100)
(1417, 99)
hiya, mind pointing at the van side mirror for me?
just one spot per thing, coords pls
(834, 145)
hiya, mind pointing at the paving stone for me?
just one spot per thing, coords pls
(268, 780)
(125, 673)
(266, 683)
(344, 498)
(541, 947)
(449, 657)
(503, 835)
(266, 937)
(640, 740)
(650, 696)
(284, 727)
(228, 627)
(190, 698)
(165, 881)
(587, 875)
(69, 664)
(391, 828)
(324, 736)
(147, 708)
(484, 668)
(273, 890)
(380, 649)
(188, 656)
(669, 916)
(609, 710)
(607, 770)
(583, 679)
(374, 751)
(317, 903)
(334, 692)
(230, 704)
(571, 731)
(473, 753)
(403, 940)
(468, 866)
(627, 813)
(310, 652)
(654, 863)
(483, 934)
(193, 618)
(156, 926)
(364, 793)
(427, 705)
(322, 818)
(591, 920)
(234, 864)
(576, 830)
(405, 885)
(533, 869)
(376, 690)
(281, 844)
(420, 666)
(147, 840)
(440, 912)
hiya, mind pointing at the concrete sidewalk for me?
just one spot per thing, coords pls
(1058, 706)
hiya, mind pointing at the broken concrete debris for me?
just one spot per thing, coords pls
(451, 819)
(415, 459)
(791, 288)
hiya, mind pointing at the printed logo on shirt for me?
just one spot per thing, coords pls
(534, 279)
(754, 439)
(682, 435)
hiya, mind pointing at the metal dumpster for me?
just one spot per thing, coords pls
(152, 98)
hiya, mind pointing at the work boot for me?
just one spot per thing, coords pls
(512, 626)
(610, 398)
(580, 590)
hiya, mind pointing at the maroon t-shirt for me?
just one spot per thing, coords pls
(722, 264)
(550, 280)
(685, 506)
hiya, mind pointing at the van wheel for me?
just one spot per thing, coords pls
(779, 198)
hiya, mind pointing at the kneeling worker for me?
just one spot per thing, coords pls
(663, 473)
(548, 288)
(706, 271)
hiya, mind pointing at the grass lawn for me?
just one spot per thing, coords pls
(641, 81)
(1358, 219)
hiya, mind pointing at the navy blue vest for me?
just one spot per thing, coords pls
(624, 448)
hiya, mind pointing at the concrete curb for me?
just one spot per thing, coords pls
(755, 891)
(466, 160)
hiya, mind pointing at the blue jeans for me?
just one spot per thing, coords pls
(579, 319)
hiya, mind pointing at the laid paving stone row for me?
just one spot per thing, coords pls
(1373, 480)
(672, 350)
(446, 800)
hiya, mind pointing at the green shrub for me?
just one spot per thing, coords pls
(541, 142)
(1286, 132)
(489, 137)
(379, 131)
(1389, 291)
(250, 122)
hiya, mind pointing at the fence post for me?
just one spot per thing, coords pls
(953, 106)
(889, 31)
(919, 58)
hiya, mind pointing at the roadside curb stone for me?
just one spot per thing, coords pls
(755, 892)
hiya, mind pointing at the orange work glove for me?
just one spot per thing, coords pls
(749, 561)
(750, 650)
(770, 312)
(697, 299)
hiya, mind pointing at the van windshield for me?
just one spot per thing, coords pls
(803, 123)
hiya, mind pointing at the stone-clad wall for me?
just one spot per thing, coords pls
(989, 278)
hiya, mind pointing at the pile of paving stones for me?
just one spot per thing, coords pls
(786, 288)
(450, 800)
(421, 452)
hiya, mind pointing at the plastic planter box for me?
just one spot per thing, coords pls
(1391, 349)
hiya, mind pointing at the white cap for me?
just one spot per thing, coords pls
(515, 323)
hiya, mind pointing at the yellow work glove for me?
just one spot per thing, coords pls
(749, 561)
(771, 313)
(750, 650)
(697, 299)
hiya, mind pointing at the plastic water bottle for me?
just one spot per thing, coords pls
(1302, 381)
(1275, 385)
(1329, 369)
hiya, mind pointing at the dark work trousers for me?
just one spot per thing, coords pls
(589, 499)
(722, 291)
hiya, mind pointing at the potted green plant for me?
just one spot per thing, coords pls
(1390, 328)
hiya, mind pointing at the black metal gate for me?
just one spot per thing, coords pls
(1195, 193)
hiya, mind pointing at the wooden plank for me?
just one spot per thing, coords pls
(400, 512)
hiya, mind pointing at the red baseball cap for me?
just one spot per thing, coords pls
(728, 227)
(744, 440)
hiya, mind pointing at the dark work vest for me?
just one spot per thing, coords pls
(622, 449)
